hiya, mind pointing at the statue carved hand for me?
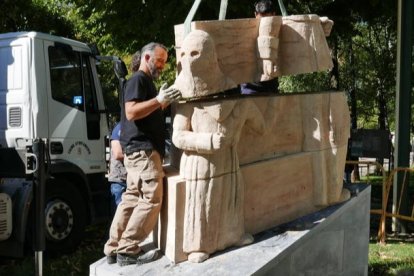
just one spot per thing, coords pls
(219, 141)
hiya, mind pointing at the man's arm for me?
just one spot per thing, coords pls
(135, 110)
(117, 150)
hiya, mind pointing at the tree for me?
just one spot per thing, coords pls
(22, 15)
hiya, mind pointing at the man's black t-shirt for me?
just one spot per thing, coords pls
(147, 133)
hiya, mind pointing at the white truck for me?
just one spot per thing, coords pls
(49, 89)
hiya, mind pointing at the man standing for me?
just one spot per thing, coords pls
(143, 143)
(117, 172)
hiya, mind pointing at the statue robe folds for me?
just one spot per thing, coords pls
(214, 208)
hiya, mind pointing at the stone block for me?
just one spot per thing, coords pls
(283, 191)
(170, 233)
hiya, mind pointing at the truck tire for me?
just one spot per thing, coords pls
(65, 217)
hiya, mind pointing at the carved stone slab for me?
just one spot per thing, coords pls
(249, 164)
(247, 50)
(289, 162)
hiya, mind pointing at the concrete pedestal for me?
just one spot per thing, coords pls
(333, 241)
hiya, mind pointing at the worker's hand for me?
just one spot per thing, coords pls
(168, 95)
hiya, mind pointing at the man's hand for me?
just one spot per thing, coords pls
(168, 95)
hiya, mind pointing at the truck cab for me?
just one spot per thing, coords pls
(49, 89)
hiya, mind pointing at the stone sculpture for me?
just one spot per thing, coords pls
(287, 152)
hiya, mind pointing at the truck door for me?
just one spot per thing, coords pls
(74, 118)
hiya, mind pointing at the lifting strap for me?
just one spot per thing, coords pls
(190, 16)
(223, 9)
(282, 8)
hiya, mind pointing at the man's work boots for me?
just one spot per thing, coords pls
(140, 258)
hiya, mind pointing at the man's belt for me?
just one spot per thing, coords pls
(131, 149)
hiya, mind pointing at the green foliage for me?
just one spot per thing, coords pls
(318, 81)
(169, 73)
(23, 15)
(120, 28)
(367, 65)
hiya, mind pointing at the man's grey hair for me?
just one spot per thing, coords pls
(150, 47)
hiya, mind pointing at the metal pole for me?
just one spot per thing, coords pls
(223, 9)
(39, 181)
(403, 99)
(39, 263)
(190, 16)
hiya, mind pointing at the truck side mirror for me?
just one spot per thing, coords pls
(120, 69)
(94, 49)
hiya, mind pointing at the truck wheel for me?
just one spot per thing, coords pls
(66, 217)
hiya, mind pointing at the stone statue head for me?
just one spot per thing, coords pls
(198, 52)
(200, 73)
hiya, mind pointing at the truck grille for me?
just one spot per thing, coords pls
(15, 117)
(5, 217)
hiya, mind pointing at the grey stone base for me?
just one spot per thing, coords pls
(333, 241)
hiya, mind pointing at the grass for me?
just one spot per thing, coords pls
(396, 257)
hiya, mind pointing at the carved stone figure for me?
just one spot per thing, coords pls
(268, 46)
(208, 134)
